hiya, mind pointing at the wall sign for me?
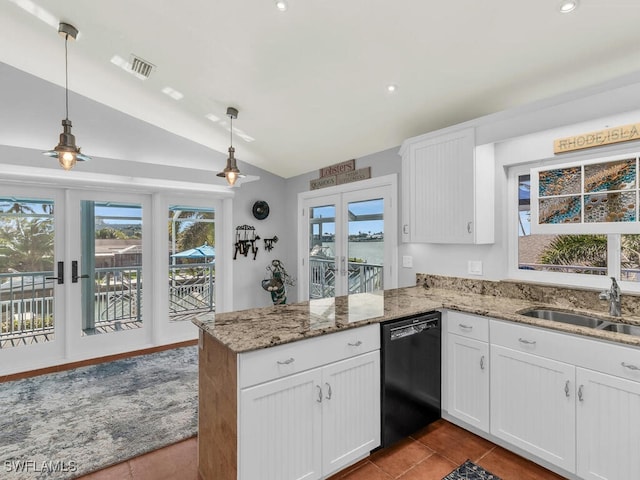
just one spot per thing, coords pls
(625, 133)
(340, 173)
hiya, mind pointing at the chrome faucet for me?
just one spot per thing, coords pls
(613, 295)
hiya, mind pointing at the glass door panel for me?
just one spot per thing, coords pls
(110, 267)
(191, 261)
(351, 241)
(29, 271)
(322, 251)
(365, 245)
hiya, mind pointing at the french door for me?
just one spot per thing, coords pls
(107, 257)
(32, 300)
(348, 239)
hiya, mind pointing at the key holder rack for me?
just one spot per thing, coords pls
(270, 242)
(246, 241)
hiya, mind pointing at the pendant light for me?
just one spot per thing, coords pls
(231, 172)
(66, 151)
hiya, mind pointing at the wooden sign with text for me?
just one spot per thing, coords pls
(338, 174)
(625, 133)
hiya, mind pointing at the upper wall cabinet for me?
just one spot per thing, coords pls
(596, 196)
(447, 189)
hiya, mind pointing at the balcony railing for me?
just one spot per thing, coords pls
(363, 277)
(27, 299)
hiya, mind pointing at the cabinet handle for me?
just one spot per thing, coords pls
(580, 393)
(527, 342)
(482, 362)
(405, 229)
(287, 361)
(630, 366)
(328, 397)
(356, 344)
(465, 327)
(319, 399)
(469, 227)
(566, 388)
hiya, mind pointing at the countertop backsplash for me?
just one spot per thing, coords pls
(565, 297)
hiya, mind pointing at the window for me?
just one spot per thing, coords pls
(586, 254)
(572, 259)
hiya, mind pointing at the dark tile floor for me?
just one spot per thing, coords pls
(428, 455)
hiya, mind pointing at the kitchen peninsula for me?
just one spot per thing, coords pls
(245, 355)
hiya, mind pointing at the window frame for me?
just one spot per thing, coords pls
(555, 278)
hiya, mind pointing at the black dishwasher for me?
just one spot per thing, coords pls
(410, 377)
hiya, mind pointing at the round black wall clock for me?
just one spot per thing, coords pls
(261, 210)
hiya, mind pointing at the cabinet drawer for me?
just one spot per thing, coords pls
(267, 364)
(538, 341)
(466, 325)
(618, 360)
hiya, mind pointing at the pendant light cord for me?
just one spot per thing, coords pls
(231, 130)
(66, 75)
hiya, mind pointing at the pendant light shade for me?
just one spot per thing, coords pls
(231, 172)
(67, 152)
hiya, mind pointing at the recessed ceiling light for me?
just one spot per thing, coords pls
(568, 6)
(212, 117)
(282, 5)
(176, 95)
(392, 88)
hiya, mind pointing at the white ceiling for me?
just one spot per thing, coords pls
(310, 83)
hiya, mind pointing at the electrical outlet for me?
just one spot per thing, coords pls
(475, 267)
(407, 261)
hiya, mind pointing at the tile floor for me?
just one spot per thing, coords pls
(428, 455)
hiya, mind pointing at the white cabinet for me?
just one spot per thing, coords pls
(448, 189)
(467, 363)
(532, 404)
(350, 410)
(309, 424)
(281, 431)
(608, 417)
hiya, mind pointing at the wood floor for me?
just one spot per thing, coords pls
(428, 455)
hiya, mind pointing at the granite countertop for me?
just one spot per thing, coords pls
(258, 328)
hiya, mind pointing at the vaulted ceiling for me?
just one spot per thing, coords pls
(310, 83)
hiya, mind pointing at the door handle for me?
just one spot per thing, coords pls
(60, 277)
(74, 272)
(329, 393)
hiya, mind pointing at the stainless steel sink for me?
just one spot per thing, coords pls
(622, 328)
(563, 317)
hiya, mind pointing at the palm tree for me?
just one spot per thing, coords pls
(576, 250)
(26, 244)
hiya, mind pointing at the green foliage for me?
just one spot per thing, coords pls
(26, 244)
(27, 324)
(195, 232)
(111, 234)
(589, 250)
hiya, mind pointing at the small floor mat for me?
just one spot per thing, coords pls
(470, 471)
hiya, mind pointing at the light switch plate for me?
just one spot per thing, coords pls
(475, 267)
(407, 261)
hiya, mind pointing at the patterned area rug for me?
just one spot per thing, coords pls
(470, 471)
(65, 424)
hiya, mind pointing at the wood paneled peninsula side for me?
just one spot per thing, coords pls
(234, 344)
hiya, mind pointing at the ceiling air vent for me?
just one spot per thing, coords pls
(141, 68)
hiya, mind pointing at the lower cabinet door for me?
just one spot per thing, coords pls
(533, 405)
(468, 380)
(608, 426)
(280, 431)
(351, 410)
